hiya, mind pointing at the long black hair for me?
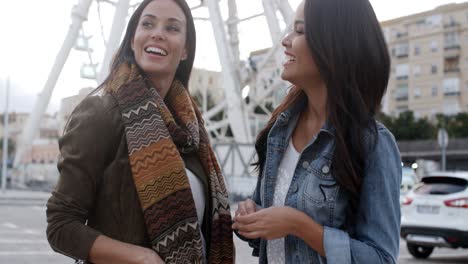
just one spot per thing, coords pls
(348, 47)
(125, 53)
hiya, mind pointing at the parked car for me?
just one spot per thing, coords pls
(435, 213)
(408, 181)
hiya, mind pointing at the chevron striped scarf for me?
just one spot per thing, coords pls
(155, 137)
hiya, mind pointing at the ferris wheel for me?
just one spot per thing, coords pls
(238, 117)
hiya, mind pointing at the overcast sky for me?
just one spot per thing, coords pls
(33, 31)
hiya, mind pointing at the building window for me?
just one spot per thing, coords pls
(402, 50)
(401, 92)
(434, 20)
(451, 86)
(417, 71)
(417, 93)
(452, 64)
(434, 69)
(451, 40)
(434, 90)
(402, 71)
(451, 23)
(434, 46)
(451, 108)
(417, 50)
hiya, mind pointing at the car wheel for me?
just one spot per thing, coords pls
(420, 252)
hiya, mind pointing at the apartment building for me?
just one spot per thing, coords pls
(68, 104)
(429, 53)
(206, 86)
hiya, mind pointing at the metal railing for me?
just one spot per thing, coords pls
(235, 160)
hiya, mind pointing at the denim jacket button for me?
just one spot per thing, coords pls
(305, 164)
(294, 188)
(325, 169)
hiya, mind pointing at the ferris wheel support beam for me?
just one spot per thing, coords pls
(233, 31)
(118, 26)
(237, 115)
(272, 20)
(79, 15)
(286, 11)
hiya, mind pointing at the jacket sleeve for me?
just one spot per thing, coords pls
(84, 148)
(376, 239)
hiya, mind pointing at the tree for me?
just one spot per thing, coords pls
(11, 147)
(406, 127)
(456, 126)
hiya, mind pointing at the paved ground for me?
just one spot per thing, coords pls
(23, 240)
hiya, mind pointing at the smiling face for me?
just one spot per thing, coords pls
(299, 66)
(159, 41)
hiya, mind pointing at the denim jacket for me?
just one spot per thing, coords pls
(374, 236)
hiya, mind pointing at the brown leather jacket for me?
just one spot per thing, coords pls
(95, 193)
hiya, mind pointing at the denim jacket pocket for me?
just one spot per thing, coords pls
(320, 192)
(320, 185)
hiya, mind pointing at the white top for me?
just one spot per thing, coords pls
(275, 247)
(199, 198)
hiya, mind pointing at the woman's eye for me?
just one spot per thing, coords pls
(147, 24)
(299, 30)
(173, 28)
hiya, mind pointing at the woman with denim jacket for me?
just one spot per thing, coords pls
(329, 173)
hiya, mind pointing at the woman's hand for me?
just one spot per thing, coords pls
(108, 250)
(148, 256)
(269, 223)
(246, 207)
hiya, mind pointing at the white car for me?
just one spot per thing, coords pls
(435, 213)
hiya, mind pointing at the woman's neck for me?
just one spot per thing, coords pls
(162, 84)
(316, 109)
(312, 118)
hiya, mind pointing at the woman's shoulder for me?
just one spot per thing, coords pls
(383, 131)
(378, 138)
(97, 111)
(99, 103)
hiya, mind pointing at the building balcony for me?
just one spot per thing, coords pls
(452, 93)
(401, 97)
(401, 35)
(452, 46)
(452, 70)
(452, 51)
(402, 55)
(451, 24)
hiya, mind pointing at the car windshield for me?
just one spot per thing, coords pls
(441, 185)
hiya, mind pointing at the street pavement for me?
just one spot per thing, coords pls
(23, 239)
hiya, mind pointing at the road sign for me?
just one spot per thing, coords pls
(442, 138)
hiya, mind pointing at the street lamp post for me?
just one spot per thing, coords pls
(5, 136)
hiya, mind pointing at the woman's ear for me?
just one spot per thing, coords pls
(184, 55)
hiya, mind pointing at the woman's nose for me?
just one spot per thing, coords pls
(158, 33)
(286, 41)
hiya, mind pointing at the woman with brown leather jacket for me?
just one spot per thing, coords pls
(139, 182)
